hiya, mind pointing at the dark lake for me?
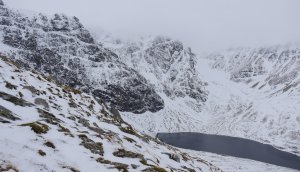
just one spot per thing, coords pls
(232, 146)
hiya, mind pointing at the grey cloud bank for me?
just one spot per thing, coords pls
(204, 25)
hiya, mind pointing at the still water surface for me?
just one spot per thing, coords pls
(232, 146)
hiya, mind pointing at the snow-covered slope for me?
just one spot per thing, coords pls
(50, 127)
(256, 95)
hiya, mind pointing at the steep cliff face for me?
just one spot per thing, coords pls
(167, 64)
(172, 68)
(60, 46)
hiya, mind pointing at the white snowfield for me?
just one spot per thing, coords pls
(232, 164)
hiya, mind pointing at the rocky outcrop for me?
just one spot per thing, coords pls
(175, 66)
(61, 47)
(7, 114)
(167, 64)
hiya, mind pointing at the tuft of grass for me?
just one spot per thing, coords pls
(129, 139)
(152, 167)
(144, 162)
(127, 154)
(37, 127)
(103, 161)
(121, 168)
(71, 89)
(129, 130)
(63, 129)
(48, 117)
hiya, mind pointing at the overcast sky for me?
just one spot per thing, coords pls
(202, 24)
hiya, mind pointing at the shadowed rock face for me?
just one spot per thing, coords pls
(172, 65)
(124, 98)
(62, 47)
(176, 64)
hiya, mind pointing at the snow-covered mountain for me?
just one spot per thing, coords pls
(249, 93)
(154, 84)
(252, 93)
(61, 46)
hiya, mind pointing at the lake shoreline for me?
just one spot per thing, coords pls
(231, 146)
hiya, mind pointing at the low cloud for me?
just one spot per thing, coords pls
(202, 24)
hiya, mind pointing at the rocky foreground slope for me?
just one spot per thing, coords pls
(50, 127)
